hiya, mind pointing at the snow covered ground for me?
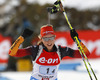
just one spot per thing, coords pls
(79, 74)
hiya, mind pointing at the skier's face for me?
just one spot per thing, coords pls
(48, 40)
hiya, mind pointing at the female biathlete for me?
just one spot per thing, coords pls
(46, 56)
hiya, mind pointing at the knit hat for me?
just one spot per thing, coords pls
(46, 29)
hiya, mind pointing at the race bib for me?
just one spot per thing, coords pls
(47, 70)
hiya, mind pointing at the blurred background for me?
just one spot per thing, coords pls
(16, 15)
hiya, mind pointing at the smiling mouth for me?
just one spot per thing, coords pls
(49, 44)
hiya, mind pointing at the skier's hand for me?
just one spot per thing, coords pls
(27, 33)
(73, 34)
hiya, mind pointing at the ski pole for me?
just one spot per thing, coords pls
(58, 3)
(77, 41)
(78, 45)
(86, 59)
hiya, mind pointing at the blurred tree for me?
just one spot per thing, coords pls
(38, 16)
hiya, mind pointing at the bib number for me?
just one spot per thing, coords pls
(47, 70)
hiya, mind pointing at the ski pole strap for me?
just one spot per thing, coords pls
(59, 4)
(54, 9)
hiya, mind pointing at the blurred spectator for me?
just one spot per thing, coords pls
(27, 24)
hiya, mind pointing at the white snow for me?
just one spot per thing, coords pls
(79, 74)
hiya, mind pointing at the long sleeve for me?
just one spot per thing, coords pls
(76, 53)
(14, 51)
(66, 51)
(23, 52)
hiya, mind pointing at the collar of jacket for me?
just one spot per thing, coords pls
(54, 49)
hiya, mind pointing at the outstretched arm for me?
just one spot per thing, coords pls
(66, 51)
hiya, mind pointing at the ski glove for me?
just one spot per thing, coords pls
(73, 33)
(27, 33)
